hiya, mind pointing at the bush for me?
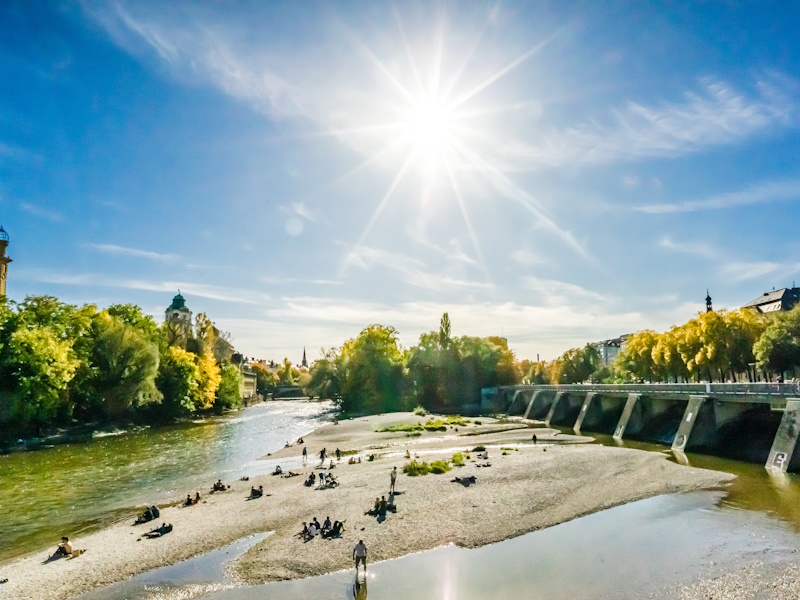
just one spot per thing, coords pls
(440, 466)
(477, 422)
(414, 468)
(479, 449)
(458, 459)
(420, 412)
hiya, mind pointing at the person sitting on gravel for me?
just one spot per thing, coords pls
(145, 517)
(219, 486)
(312, 479)
(465, 481)
(335, 531)
(304, 533)
(327, 524)
(188, 500)
(278, 470)
(257, 493)
(374, 510)
(159, 531)
(64, 548)
(312, 531)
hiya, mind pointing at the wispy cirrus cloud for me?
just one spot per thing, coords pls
(555, 292)
(761, 193)
(41, 212)
(134, 252)
(412, 271)
(695, 248)
(745, 271)
(715, 113)
(213, 292)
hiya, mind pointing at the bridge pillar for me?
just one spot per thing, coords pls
(530, 405)
(513, 399)
(687, 422)
(550, 414)
(584, 409)
(786, 437)
(626, 415)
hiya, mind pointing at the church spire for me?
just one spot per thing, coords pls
(305, 362)
(708, 301)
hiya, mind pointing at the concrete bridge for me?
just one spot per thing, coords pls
(746, 421)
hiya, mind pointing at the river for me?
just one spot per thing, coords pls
(73, 489)
(646, 549)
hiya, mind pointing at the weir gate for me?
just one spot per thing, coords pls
(756, 422)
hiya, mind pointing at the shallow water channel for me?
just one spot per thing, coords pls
(72, 489)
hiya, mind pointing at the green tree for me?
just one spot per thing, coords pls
(327, 376)
(266, 380)
(229, 393)
(778, 348)
(125, 361)
(36, 367)
(373, 364)
(178, 381)
(635, 360)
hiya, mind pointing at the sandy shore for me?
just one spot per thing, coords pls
(559, 479)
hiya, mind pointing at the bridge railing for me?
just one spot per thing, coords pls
(789, 389)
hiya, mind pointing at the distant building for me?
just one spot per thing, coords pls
(4, 260)
(249, 380)
(178, 319)
(776, 300)
(610, 349)
(304, 364)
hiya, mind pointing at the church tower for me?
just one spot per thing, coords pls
(708, 302)
(4, 260)
(305, 362)
(178, 318)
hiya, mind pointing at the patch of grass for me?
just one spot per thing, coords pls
(420, 412)
(440, 466)
(414, 468)
(414, 434)
(505, 453)
(348, 452)
(477, 422)
(509, 449)
(458, 459)
(479, 448)
(400, 427)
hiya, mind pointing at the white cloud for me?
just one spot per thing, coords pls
(526, 258)
(411, 270)
(135, 252)
(695, 248)
(560, 293)
(214, 292)
(44, 213)
(745, 271)
(761, 193)
(715, 114)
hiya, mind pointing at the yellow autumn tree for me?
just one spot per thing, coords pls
(209, 377)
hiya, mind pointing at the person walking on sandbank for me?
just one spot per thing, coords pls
(360, 555)
(393, 477)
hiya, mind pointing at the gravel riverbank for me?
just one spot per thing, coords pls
(531, 487)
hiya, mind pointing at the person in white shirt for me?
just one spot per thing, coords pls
(360, 555)
(312, 531)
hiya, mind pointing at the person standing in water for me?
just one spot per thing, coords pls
(360, 555)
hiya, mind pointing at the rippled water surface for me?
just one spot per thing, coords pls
(71, 489)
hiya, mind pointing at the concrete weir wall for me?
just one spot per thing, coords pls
(744, 423)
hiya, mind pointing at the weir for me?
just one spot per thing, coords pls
(754, 422)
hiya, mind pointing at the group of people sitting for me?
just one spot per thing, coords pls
(159, 531)
(256, 493)
(150, 513)
(353, 460)
(325, 480)
(190, 501)
(381, 507)
(219, 486)
(326, 530)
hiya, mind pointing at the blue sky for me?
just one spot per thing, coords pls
(553, 172)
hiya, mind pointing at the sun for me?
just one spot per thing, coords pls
(430, 127)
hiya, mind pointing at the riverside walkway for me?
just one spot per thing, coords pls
(759, 420)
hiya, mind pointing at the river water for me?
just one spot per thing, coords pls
(72, 489)
(646, 549)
